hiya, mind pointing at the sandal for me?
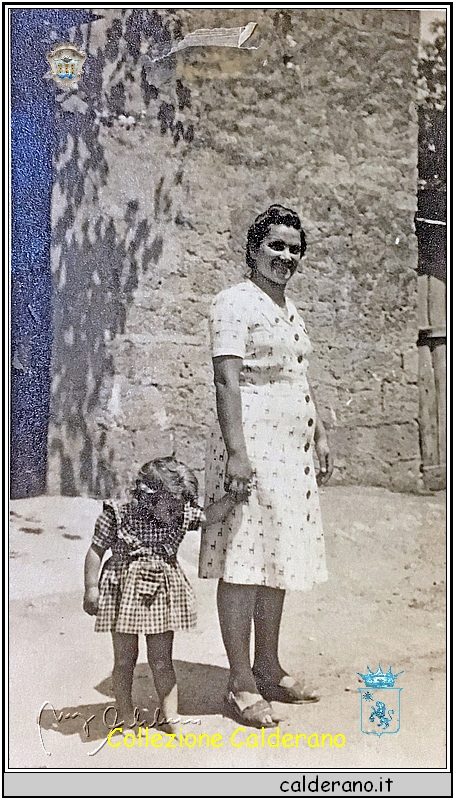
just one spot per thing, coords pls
(255, 715)
(285, 694)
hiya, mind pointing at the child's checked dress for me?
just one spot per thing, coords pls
(143, 588)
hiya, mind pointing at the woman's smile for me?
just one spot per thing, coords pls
(282, 270)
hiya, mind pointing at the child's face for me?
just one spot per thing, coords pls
(162, 505)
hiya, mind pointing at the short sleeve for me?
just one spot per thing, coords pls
(228, 325)
(193, 517)
(105, 529)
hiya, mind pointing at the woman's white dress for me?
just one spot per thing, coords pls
(276, 539)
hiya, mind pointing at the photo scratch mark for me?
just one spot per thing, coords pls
(214, 37)
(17, 363)
(33, 313)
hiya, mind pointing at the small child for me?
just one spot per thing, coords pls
(142, 587)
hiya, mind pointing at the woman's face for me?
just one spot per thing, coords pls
(278, 255)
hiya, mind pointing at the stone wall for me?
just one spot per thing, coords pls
(161, 167)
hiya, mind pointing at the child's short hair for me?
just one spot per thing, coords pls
(170, 474)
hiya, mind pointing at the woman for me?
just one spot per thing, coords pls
(261, 447)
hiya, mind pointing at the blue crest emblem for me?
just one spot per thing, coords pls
(66, 64)
(379, 702)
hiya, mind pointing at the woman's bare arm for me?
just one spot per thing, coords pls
(322, 446)
(229, 408)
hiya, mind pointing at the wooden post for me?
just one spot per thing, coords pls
(427, 408)
(422, 300)
(436, 303)
(431, 230)
(439, 368)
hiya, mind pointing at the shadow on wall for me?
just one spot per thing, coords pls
(96, 265)
(101, 276)
(32, 33)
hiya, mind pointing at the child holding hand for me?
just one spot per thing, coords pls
(142, 587)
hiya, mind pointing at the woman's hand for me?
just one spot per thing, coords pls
(325, 460)
(238, 478)
(91, 598)
(322, 447)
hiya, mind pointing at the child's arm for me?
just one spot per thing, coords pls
(218, 511)
(91, 574)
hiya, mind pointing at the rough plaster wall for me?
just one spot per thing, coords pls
(171, 170)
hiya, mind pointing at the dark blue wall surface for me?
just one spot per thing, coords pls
(33, 34)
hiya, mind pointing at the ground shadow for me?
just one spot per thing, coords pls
(201, 687)
(201, 690)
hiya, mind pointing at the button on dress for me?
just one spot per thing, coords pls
(276, 539)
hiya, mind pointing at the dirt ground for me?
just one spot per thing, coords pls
(384, 603)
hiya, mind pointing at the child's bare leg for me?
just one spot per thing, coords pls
(159, 656)
(126, 649)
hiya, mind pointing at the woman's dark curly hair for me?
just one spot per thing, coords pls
(169, 474)
(275, 215)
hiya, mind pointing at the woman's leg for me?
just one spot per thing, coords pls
(235, 610)
(268, 609)
(126, 650)
(271, 678)
(159, 656)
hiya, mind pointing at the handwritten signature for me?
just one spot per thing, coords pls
(108, 713)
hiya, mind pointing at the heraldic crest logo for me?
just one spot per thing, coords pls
(379, 702)
(66, 64)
